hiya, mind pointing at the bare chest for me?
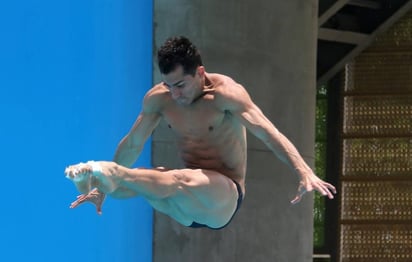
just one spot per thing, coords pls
(199, 121)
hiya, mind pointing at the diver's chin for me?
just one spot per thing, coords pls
(183, 101)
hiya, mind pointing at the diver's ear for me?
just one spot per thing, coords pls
(201, 70)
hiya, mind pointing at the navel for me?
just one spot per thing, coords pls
(168, 125)
(211, 128)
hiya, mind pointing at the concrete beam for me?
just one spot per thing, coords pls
(270, 48)
(331, 11)
(342, 36)
(358, 49)
(365, 3)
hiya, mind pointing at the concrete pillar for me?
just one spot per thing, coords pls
(270, 48)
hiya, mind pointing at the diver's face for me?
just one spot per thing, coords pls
(184, 87)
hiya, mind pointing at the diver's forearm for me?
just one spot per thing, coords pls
(288, 154)
(126, 155)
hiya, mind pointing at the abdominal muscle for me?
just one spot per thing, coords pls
(217, 153)
(222, 151)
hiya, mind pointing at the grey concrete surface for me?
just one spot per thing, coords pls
(270, 48)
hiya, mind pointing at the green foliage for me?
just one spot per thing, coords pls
(320, 164)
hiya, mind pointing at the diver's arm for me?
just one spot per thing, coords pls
(239, 103)
(132, 144)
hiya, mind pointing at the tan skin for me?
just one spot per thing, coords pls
(209, 115)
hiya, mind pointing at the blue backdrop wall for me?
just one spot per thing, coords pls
(72, 75)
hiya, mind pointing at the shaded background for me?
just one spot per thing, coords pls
(270, 48)
(72, 76)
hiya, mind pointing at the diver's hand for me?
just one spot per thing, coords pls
(311, 182)
(95, 197)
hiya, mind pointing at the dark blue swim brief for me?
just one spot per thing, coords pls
(239, 202)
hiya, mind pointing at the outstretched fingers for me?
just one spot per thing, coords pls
(95, 197)
(322, 187)
(326, 189)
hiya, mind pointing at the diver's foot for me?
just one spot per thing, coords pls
(100, 175)
(79, 172)
(95, 197)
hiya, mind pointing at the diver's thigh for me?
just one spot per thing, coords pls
(210, 188)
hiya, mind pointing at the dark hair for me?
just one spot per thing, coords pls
(178, 51)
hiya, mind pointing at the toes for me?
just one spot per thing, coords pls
(77, 172)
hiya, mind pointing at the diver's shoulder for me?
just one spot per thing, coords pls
(224, 84)
(221, 80)
(158, 92)
(157, 95)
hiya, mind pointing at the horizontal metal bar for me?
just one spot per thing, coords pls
(383, 222)
(346, 37)
(321, 256)
(374, 94)
(365, 3)
(376, 136)
(389, 178)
